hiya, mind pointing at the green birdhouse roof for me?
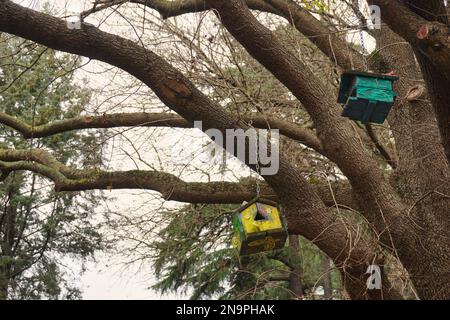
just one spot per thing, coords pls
(361, 79)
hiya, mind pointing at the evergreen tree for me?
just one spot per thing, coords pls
(40, 228)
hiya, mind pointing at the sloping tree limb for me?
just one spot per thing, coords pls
(142, 119)
(328, 42)
(170, 186)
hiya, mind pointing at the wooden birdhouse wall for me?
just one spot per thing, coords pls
(258, 227)
(366, 97)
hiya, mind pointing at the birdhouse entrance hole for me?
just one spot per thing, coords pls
(261, 213)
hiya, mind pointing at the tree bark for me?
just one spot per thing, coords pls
(430, 41)
(429, 37)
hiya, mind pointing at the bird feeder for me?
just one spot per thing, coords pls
(258, 226)
(366, 97)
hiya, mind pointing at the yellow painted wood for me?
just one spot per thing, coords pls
(252, 226)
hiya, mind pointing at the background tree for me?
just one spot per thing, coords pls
(389, 203)
(40, 227)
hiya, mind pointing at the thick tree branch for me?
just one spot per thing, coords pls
(429, 37)
(169, 9)
(170, 186)
(328, 42)
(142, 119)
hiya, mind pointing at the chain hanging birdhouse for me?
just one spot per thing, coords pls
(366, 97)
(258, 226)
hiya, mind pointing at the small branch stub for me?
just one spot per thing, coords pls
(415, 93)
(423, 32)
(176, 89)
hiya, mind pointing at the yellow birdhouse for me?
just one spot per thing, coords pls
(258, 226)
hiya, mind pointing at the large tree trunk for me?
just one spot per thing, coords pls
(423, 175)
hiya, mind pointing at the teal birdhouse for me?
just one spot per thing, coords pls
(366, 97)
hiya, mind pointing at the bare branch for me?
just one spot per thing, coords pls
(381, 148)
(328, 42)
(142, 119)
(170, 186)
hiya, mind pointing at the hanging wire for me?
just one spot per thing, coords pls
(257, 166)
(258, 169)
(361, 36)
